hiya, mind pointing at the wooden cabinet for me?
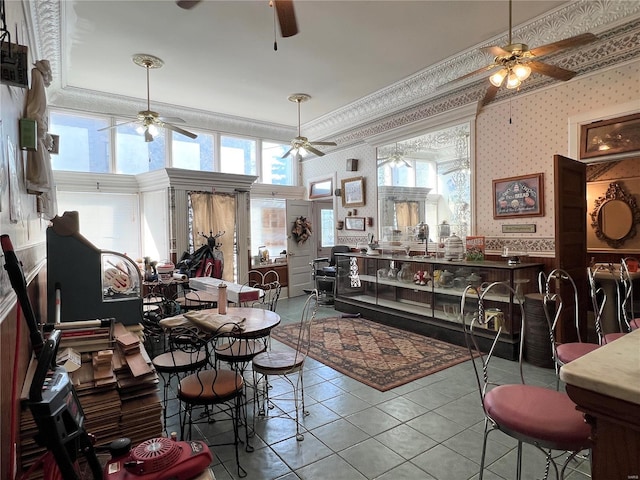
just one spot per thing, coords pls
(279, 268)
(389, 289)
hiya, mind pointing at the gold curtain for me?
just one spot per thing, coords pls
(406, 214)
(215, 212)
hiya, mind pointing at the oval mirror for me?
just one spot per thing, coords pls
(615, 219)
(615, 216)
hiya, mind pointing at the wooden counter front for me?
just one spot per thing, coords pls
(605, 384)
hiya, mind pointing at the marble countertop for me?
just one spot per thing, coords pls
(612, 370)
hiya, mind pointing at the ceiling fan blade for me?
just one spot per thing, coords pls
(286, 17)
(489, 95)
(179, 130)
(287, 153)
(315, 151)
(494, 50)
(116, 126)
(470, 74)
(187, 4)
(331, 144)
(171, 119)
(551, 70)
(562, 44)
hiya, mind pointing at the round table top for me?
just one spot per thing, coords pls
(258, 321)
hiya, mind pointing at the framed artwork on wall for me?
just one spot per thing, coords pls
(321, 188)
(521, 196)
(353, 194)
(354, 223)
(610, 137)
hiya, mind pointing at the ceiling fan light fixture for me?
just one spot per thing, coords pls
(497, 78)
(513, 81)
(522, 71)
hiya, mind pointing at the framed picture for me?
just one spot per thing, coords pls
(354, 223)
(321, 188)
(519, 196)
(353, 194)
(610, 137)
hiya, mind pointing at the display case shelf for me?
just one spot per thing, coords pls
(433, 308)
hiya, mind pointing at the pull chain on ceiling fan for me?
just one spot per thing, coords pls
(150, 121)
(300, 144)
(516, 61)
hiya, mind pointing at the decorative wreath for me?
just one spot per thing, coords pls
(301, 230)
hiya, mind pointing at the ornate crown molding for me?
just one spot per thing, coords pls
(414, 98)
(593, 16)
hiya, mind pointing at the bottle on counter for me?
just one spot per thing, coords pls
(222, 299)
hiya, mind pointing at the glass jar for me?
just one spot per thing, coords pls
(405, 275)
(393, 271)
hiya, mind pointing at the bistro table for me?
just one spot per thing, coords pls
(258, 322)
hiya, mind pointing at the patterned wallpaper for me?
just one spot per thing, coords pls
(521, 135)
(514, 137)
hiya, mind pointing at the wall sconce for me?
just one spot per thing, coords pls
(337, 192)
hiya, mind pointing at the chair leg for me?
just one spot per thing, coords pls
(519, 462)
(484, 448)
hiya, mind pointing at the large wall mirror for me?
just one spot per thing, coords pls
(425, 179)
(615, 216)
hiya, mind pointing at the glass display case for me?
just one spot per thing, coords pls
(424, 294)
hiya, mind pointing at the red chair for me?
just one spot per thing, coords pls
(559, 294)
(539, 416)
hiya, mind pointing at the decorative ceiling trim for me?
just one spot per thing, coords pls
(409, 100)
(573, 19)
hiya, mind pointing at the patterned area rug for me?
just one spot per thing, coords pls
(380, 356)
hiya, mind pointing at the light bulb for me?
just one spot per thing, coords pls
(140, 129)
(153, 130)
(513, 81)
(497, 78)
(522, 71)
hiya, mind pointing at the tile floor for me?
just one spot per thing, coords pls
(429, 429)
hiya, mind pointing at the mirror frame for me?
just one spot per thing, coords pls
(615, 192)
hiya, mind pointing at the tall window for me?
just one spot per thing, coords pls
(83, 147)
(275, 169)
(327, 230)
(268, 225)
(111, 221)
(134, 155)
(238, 155)
(193, 153)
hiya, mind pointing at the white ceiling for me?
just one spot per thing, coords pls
(219, 56)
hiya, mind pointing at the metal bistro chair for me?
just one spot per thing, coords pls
(560, 294)
(287, 364)
(186, 354)
(631, 322)
(219, 395)
(238, 353)
(599, 300)
(540, 416)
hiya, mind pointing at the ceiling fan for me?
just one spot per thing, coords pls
(516, 61)
(284, 10)
(302, 144)
(395, 160)
(149, 120)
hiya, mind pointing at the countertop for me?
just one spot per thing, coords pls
(612, 370)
